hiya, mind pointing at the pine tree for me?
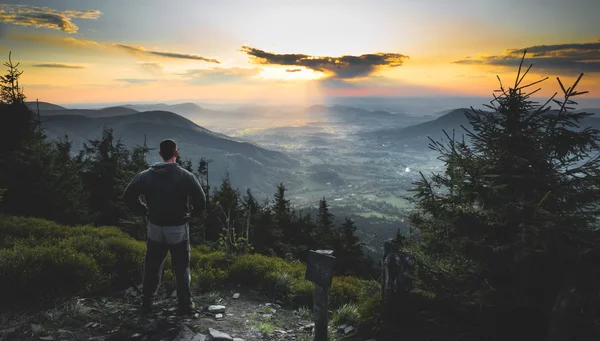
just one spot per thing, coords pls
(282, 210)
(515, 210)
(348, 250)
(106, 174)
(25, 155)
(184, 163)
(324, 231)
(68, 206)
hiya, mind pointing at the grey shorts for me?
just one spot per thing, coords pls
(170, 235)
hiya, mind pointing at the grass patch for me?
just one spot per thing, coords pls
(265, 328)
(305, 313)
(346, 314)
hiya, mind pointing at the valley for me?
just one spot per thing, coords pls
(363, 162)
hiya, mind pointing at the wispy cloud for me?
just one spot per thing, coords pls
(154, 68)
(25, 15)
(343, 67)
(54, 40)
(293, 70)
(564, 58)
(59, 66)
(219, 75)
(139, 50)
(136, 80)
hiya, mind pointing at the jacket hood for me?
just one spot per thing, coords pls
(163, 166)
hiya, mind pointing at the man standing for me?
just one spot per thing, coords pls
(166, 188)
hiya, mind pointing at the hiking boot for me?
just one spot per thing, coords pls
(147, 306)
(187, 308)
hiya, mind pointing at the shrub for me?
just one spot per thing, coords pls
(252, 270)
(214, 259)
(370, 304)
(208, 279)
(344, 290)
(302, 292)
(61, 271)
(278, 284)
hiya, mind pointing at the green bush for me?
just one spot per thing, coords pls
(370, 304)
(344, 290)
(302, 292)
(31, 274)
(253, 269)
(67, 259)
(208, 279)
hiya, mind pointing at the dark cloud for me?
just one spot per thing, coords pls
(219, 75)
(344, 67)
(59, 66)
(138, 50)
(293, 70)
(44, 17)
(136, 80)
(568, 58)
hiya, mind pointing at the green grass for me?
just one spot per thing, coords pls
(265, 328)
(346, 314)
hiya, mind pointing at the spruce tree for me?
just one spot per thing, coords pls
(283, 214)
(324, 231)
(105, 175)
(508, 223)
(25, 155)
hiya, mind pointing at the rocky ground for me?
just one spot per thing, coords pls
(219, 316)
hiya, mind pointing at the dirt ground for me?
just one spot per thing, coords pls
(250, 317)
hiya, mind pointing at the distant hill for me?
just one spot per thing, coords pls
(192, 112)
(417, 135)
(595, 111)
(44, 106)
(92, 113)
(248, 164)
(452, 120)
(176, 108)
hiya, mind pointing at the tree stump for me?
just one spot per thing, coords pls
(397, 279)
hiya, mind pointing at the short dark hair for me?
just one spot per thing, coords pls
(168, 148)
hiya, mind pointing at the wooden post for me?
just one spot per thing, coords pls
(319, 270)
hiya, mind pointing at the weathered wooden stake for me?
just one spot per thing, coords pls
(319, 270)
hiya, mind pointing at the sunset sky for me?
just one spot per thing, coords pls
(88, 51)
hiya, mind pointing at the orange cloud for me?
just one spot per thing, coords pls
(24, 15)
(139, 50)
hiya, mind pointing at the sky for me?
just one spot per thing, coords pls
(280, 51)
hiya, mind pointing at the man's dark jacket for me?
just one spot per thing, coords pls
(166, 187)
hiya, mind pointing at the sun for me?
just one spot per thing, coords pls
(290, 73)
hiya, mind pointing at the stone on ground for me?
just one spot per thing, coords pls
(215, 309)
(236, 296)
(216, 335)
(185, 334)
